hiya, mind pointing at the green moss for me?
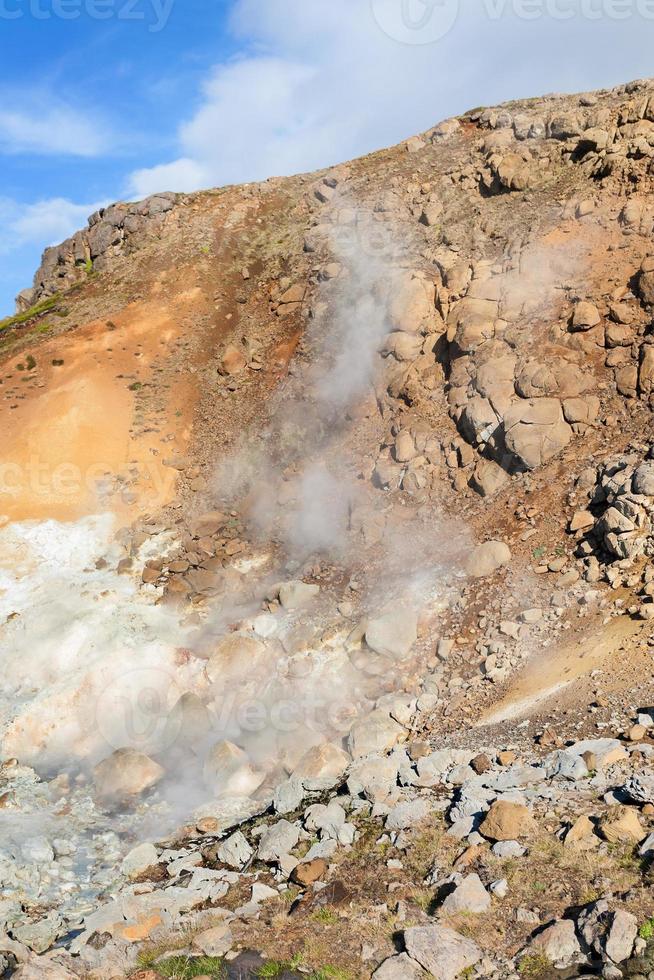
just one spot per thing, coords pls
(34, 311)
(646, 931)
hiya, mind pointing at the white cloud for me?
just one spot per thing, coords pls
(319, 82)
(55, 130)
(42, 223)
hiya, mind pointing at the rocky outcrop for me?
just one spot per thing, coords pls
(110, 231)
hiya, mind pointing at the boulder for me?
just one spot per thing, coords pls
(558, 943)
(413, 304)
(507, 821)
(621, 936)
(214, 942)
(296, 595)
(444, 953)
(322, 766)
(488, 478)
(235, 851)
(535, 431)
(487, 558)
(585, 316)
(374, 734)
(236, 656)
(277, 841)
(126, 773)
(139, 860)
(646, 371)
(394, 633)
(470, 896)
(646, 281)
(400, 967)
(643, 480)
(621, 825)
(411, 813)
(233, 361)
(228, 771)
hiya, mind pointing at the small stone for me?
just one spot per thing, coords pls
(308, 872)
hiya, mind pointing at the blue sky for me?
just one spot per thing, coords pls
(114, 99)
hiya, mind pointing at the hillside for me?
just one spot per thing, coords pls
(326, 573)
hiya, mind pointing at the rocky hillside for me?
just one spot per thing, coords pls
(329, 518)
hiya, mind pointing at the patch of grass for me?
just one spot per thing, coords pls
(37, 310)
(330, 973)
(646, 931)
(184, 967)
(539, 552)
(275, 968)
(534, 966)
(327, 916)
(135, 386)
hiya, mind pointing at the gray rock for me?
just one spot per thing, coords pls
(393, 634)
(235, 852)
(508, 849)
(214, 942)
(469, 896)
(640, 788)
(559, 944)
(441, 951)
(139, 860)
(400, 967)
(621, 936)
(411, 813)
(375, 777)
(39, 936)
(277, 841)
(288, 797)
(567, 765)
(374, 734)
(37, 850)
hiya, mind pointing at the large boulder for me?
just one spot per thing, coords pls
(535, 431)
(558, 943)
(441, 951)
(322, 766)
(373, 734)
(469, 897)
(508, 821)
(413, 304)
(393, 634)
(126, 773)
(229, 772)
(487, 558)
